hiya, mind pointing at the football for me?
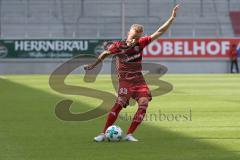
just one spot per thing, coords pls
(113, 133)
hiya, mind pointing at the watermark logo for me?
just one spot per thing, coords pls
(56, 81)
(161, 116)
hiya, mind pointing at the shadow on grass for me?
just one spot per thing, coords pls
(32, 131)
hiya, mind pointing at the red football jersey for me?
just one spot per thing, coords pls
(233, 54)
(129, 60)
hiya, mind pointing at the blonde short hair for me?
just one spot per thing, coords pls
(137, 27)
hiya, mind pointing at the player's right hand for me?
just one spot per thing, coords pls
(88, 67)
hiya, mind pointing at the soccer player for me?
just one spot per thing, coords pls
(131, 80)
(234, 57)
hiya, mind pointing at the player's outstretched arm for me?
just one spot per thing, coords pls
(100, 58)
(166, 25)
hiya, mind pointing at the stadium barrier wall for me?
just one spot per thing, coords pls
(178, 55)
(46, 66)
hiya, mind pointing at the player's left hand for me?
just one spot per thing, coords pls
(174, 12)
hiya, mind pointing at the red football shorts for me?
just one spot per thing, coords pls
(134, 88)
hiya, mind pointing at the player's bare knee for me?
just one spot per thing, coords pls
(143, 102)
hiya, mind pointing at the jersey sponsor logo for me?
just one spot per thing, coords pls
(136, 56)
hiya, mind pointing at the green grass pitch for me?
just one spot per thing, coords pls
(30, 130)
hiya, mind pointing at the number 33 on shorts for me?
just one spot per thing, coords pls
(123, 91)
